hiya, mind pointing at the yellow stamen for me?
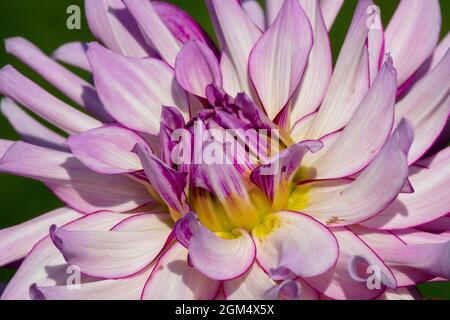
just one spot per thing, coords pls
(269, 224)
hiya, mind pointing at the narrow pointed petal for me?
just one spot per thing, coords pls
(16, 242)
(81, 188)
(238, 35)
(341, 202)
(181, 25)
(255, 12)
(297, 243)
(280, 171)
(230, 78)
(375, 47)
(30, 129)
(196, 67)
(330, 9)
(317, 75)
(279, 57)
(219, 258)
(427, 106)
(112, 254)
(45, 265)
(253, 285)
(429, 201)
(168, 183)
(121, 289)
(412, 35)
(73, 53)
(107, 150)
(350, 277)
(135, 90)
(350, 80)
(173, 279)
(114, 26)
(71, 85)
(154, 29)
(27, 93)
(366, 133)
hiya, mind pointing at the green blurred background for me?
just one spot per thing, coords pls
(44, 23)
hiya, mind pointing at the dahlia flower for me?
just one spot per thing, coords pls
(335, 189)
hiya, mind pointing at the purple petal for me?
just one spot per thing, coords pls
(73, 53)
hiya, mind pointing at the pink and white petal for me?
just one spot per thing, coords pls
(81, 188)
(112, 254)
(350, 277)
(375, 47)
(429, 201)
(440, 225)
(70, 84)
(298, 243)
(317, 75)
(135, 90)
(45, 265)
(330, 10)
(253, 285)
(173, 279)
(4, 146)
(272, 9)
(121, 289)
(16, 242)
(401, 294)
(237, 33)
(219, 258)
(280, 56)
(404, 274)
(306, 291)
(196, 67)
(114, 26)
(145, 221)
(427, 106)
(366, 133)
(27, 93)
(341, 202)
(181, 25)
(168, 183)
(107, 150)
(255, 12)
(30, 129)
(412, 35)
(73, 53)
(154, 29)
(231, 83)
(350, 80)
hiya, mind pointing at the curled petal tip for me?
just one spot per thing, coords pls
(35, 293)
(55, 239)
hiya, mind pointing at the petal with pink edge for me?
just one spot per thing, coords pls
(237, 34)
(412, 35)
(427, 106)
(81, 188)
(317, 75)
(135, 90)
(16, 242)
(350, 80)
(220, 258)
(255, 12)
(297, 243)
(107, 150)
(343, 202)
(45, 265)
(112, 254)
(279, 57)
(429, 201)
(366, 133)
(354, 276)
(173, 279)
(196, 67)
